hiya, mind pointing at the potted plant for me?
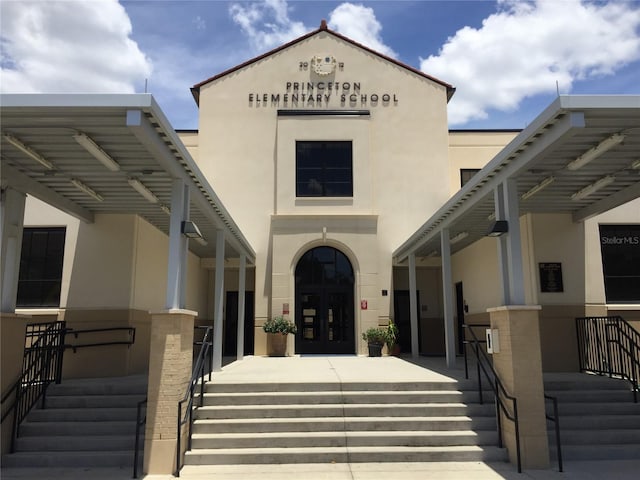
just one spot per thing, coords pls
(375, 338)
(393, 336)
(277, 329)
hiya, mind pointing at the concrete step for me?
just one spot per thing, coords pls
(338, 410)
(592, 396)
(75, 443)
(232, 456)
(68, 459)
(93, 401)
(580, 422)
(567, 409)
(597, 437)
(584, 382)
(82, 415)
(334, 397)
(319, 424)
(217, 387)
(77, 428)
(598, 452)
(343, 439)
(130, 385)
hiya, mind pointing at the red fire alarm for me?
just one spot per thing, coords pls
(363, 304)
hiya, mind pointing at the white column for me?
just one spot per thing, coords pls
(447, 298)
(503, 259)
(177, 246)
(413, 306)
(184, 251)
(242, 275)
(514, 245)
(218, 303)
(11, 223)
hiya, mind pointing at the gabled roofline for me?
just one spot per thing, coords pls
(195, 90)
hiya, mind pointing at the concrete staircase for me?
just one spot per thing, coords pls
(598, 419)
(87, 423)
(342, 423)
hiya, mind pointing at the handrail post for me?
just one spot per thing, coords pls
(515, 414)
(479, 376)
(464, 350)
(178, 439)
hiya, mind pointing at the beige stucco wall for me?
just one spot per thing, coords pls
(243, 141)
(114, 273)
(473, 149)
(190, 140)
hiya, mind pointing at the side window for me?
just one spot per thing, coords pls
(620, 246)
(41, 259)
(466, 174)
(324, 169)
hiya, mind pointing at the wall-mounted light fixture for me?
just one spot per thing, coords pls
(499, 227)
(636, 165)
(87, 189)
(458, 237)
(98, 153)
(536, 188)
(190, 230)
(593, 188)
(165, 209)
(595, 152)
(142, 190)
(29, 151)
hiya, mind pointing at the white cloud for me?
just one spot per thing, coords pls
(267, 24)
(359, 23)
(69, 47)
(526, 47)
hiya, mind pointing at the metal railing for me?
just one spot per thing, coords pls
(609, 346)
(555, 418)
(42, 365)
(140, 422)
(485, 366)
(185, 406)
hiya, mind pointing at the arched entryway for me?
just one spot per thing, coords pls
(324, 302)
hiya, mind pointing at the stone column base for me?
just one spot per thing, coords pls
(519, 366)
(170, 366)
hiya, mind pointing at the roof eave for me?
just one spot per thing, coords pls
(195, 90)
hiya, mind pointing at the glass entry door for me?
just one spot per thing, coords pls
(324, 303)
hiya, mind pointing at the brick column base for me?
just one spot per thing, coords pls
(519, 365)
(170, 366)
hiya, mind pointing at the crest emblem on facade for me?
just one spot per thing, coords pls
(324, 64)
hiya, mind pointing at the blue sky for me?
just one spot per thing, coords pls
(507, 59)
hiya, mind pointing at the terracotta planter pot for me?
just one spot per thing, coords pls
(277, 345)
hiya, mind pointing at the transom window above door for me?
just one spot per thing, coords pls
(324, 168)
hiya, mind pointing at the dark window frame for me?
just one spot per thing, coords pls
(41, 264)
(333, 173)
(466, 174)
(620, 248)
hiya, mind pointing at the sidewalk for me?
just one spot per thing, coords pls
(595, 470)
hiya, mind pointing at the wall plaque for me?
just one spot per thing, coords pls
(551, 277)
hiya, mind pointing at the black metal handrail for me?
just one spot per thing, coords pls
(555, 418)
(75, 332)
(42, 365)
(609, 346)
(465, 342)
(140, 422)
(483, 363)
(185, 406)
